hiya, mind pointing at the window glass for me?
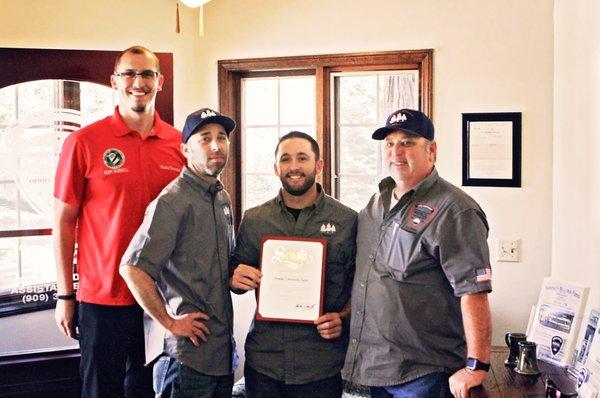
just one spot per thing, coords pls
(362, 101)
(271, 108)
(35, 118)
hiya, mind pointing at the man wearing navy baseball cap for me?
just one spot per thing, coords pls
(422, 256)
(177, 267)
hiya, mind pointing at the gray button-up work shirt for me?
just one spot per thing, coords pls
(296, 353)
(184, 245)
(413, 263)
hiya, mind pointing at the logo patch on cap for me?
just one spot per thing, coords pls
(397, 118)
(113, 158)
(207, 113)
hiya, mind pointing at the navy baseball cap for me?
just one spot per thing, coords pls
(408, 120)
(204, 116)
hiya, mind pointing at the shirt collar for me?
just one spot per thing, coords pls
(120, 128)
(387, 185)
(200, 183)
(318, 203)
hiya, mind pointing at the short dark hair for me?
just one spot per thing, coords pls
(299, 134)
(137, 50)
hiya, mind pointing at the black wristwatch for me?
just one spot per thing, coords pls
(476, 364)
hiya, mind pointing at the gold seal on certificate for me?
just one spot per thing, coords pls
(293, 275)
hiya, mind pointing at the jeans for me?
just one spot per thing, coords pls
(172, 379)
(433, 385)
(260, 386)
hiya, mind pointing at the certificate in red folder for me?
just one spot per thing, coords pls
(293, 279)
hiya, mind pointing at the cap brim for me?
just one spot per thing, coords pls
(382, 132)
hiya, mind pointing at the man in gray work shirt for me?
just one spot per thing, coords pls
(287, 359)
(177, 267)
(421, 324)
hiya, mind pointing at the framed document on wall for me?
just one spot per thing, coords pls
(491, 149)
(293, 277)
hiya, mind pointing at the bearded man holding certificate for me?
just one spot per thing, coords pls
(303, 240)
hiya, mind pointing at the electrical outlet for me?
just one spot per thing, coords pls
(509, 250)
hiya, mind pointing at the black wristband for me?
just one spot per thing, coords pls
(66, 296)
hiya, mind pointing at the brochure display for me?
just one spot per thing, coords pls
(557, 318)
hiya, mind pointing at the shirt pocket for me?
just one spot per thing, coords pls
(395, 250)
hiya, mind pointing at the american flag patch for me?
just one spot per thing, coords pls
(483, 275)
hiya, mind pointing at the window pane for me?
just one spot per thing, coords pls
(357, 99)
(97, 102)
(29, 149)
(358, 151)
(355, 191)
(260, 102)
(297, 100)
(396, 92)
(364, 102)
(259, 188)
(34, 97)
(7, 106)
(258, 149)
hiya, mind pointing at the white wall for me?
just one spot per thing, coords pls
(576, 171)
(489, 56)
(96, 25)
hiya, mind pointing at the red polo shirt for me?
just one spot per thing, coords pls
(112, 174)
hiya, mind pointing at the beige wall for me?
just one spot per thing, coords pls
(489, 56)
(576, 171)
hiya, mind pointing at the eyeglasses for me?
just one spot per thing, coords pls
(552, 390)
(131, 75)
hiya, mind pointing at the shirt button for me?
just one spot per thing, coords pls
(359, 312)
(362, 284)
(383, 228)
(371, 257)
(354, 341)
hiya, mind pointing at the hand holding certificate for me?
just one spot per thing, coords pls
(293, 274)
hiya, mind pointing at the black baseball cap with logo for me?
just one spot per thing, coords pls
(204, 116)
(408, 120)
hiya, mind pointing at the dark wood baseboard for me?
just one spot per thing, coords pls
(53, 374)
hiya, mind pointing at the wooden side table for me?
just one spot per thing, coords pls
(502, 381)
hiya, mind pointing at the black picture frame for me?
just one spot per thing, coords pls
(468, 179)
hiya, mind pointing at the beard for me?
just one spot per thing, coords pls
(302, 189)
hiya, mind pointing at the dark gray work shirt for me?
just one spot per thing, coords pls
(184, 244)
(296, 353)
(413, 263)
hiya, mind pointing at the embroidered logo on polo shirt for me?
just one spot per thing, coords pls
(328, 229)
(113, 158)
(419, 215)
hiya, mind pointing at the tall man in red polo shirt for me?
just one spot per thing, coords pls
(107, 175)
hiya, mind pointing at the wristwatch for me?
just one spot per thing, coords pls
(66, 296)
(476, 364)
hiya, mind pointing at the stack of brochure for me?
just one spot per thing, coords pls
(556, 320)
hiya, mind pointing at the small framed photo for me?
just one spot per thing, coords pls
(491, 149)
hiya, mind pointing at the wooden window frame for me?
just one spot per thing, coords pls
(230, 73)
